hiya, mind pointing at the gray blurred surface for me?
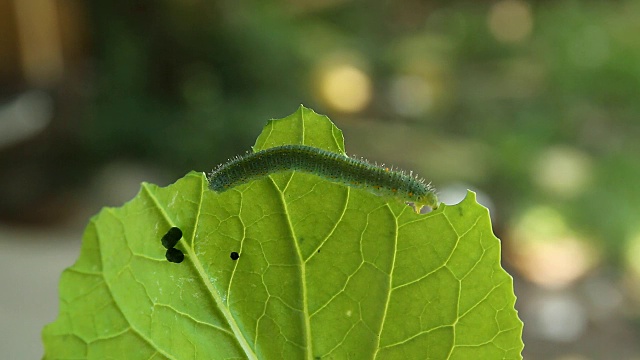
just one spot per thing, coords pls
(33, 258)
(31, 262)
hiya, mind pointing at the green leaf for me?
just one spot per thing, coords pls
(325, 271)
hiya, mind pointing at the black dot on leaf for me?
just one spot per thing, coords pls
(235, 256)
(174, 255)
(171, 238)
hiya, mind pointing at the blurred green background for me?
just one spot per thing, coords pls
(533, 104)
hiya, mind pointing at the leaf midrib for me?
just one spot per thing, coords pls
(238, 335)
(303, 273)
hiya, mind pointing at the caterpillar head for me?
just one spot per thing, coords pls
(429, 199)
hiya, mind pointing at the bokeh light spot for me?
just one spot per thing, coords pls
(510, 21)
(591, 48)
(411, 95)
(563, 171)
(559, 317)
(345, 88)
(547, 252)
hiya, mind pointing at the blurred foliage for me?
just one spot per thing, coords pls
(189, 83)
(179, 82)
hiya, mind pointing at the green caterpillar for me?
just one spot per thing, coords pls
(328, 165)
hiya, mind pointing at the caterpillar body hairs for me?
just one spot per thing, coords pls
(331, 166)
